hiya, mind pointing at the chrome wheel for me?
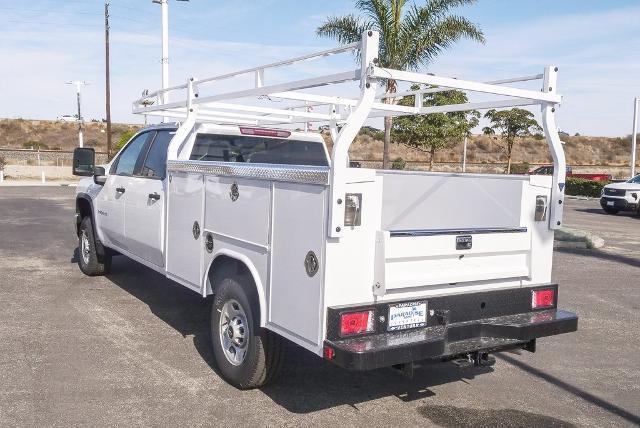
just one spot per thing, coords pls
(85, 249)
(234, 332)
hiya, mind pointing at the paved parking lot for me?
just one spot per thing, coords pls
(133, 349)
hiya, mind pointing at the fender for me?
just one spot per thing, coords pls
(206, 287)
(100, 249)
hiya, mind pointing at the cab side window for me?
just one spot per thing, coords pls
(155, 165)
(128, 159)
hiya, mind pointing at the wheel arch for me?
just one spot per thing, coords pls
(225, 258)
(84, 208)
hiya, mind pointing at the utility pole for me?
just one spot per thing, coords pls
(634, 136)
(464, 155)
(78, 84)
(107, 77)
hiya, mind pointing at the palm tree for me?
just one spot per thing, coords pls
(411, 36)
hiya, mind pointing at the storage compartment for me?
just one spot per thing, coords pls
(439, 230)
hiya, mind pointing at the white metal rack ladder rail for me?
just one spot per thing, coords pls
(353, 112)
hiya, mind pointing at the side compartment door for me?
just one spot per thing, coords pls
(184, 226)
(110, 203)
(145, 203)
(297, 236)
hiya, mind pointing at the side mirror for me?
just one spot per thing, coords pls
(84, 161)
(99, 175)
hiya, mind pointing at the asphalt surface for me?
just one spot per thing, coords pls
(621, 231)
(132, 348)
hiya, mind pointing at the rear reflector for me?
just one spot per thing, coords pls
(265, 132)
(356, 323)
(328, 353)
(543, 298)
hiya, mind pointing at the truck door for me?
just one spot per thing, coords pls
(110, 203)
(145, 203)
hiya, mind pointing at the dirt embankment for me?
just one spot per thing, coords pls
(481, 150)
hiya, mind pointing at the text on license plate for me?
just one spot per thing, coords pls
(610, 203)
(407, 315)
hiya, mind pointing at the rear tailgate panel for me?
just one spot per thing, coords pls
(407, 259)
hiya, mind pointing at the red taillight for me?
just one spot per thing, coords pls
(265, 132)
(542, 298)
(328, 353)
(356, 323)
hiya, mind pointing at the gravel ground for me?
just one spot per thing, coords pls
(133, 349)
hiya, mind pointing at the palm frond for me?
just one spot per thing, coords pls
(345, 29)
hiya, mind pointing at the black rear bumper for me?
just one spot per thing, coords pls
(442, 339)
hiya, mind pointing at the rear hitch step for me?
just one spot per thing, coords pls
(405, 369)
(474, 359)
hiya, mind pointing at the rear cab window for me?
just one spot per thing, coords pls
(258, 150)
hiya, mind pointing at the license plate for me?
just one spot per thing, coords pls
(407, 315)
(610, 203)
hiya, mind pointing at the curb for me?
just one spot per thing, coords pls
(576, 238)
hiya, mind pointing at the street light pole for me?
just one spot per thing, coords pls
(634, 137)
(164, 8)
(78, 84)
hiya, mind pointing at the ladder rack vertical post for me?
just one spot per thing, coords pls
(368, 87)
(556, 205)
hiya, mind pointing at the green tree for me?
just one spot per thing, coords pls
(435, 131)
(124, 138)
(511, 124)
(411, 36)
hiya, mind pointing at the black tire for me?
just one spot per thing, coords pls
(89, 261)
(263, 350)
(612, 211)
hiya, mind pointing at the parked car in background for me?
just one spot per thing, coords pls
(548, 170)
(623, 196)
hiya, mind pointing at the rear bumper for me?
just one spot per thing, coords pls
(447, 340)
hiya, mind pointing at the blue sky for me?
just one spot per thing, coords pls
(43, 43)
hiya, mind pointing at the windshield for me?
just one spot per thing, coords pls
(635, 180)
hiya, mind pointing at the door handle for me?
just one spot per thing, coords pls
(154, 195)
(120, 189)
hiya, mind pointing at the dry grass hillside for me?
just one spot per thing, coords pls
(55, 135)
(485, 149)
(21, 133)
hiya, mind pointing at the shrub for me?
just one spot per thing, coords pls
(124, 138)
(582, 187)
(398, 163)
(520, 168)
(35, 145)
(3, 163)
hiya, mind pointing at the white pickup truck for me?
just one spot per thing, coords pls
(365, 268)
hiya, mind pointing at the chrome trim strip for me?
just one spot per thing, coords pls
(473, 231)
(288, 173)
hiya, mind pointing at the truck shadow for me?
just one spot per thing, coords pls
(601, 212)
(599, 254)
(308, 383)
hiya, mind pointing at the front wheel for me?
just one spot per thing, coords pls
(246, 355)
(89, 261)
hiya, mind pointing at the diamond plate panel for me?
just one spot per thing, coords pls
(288, 173)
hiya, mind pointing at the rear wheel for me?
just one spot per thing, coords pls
(247, 356)
(89, 261)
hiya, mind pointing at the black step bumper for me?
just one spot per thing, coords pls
(447, 340)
